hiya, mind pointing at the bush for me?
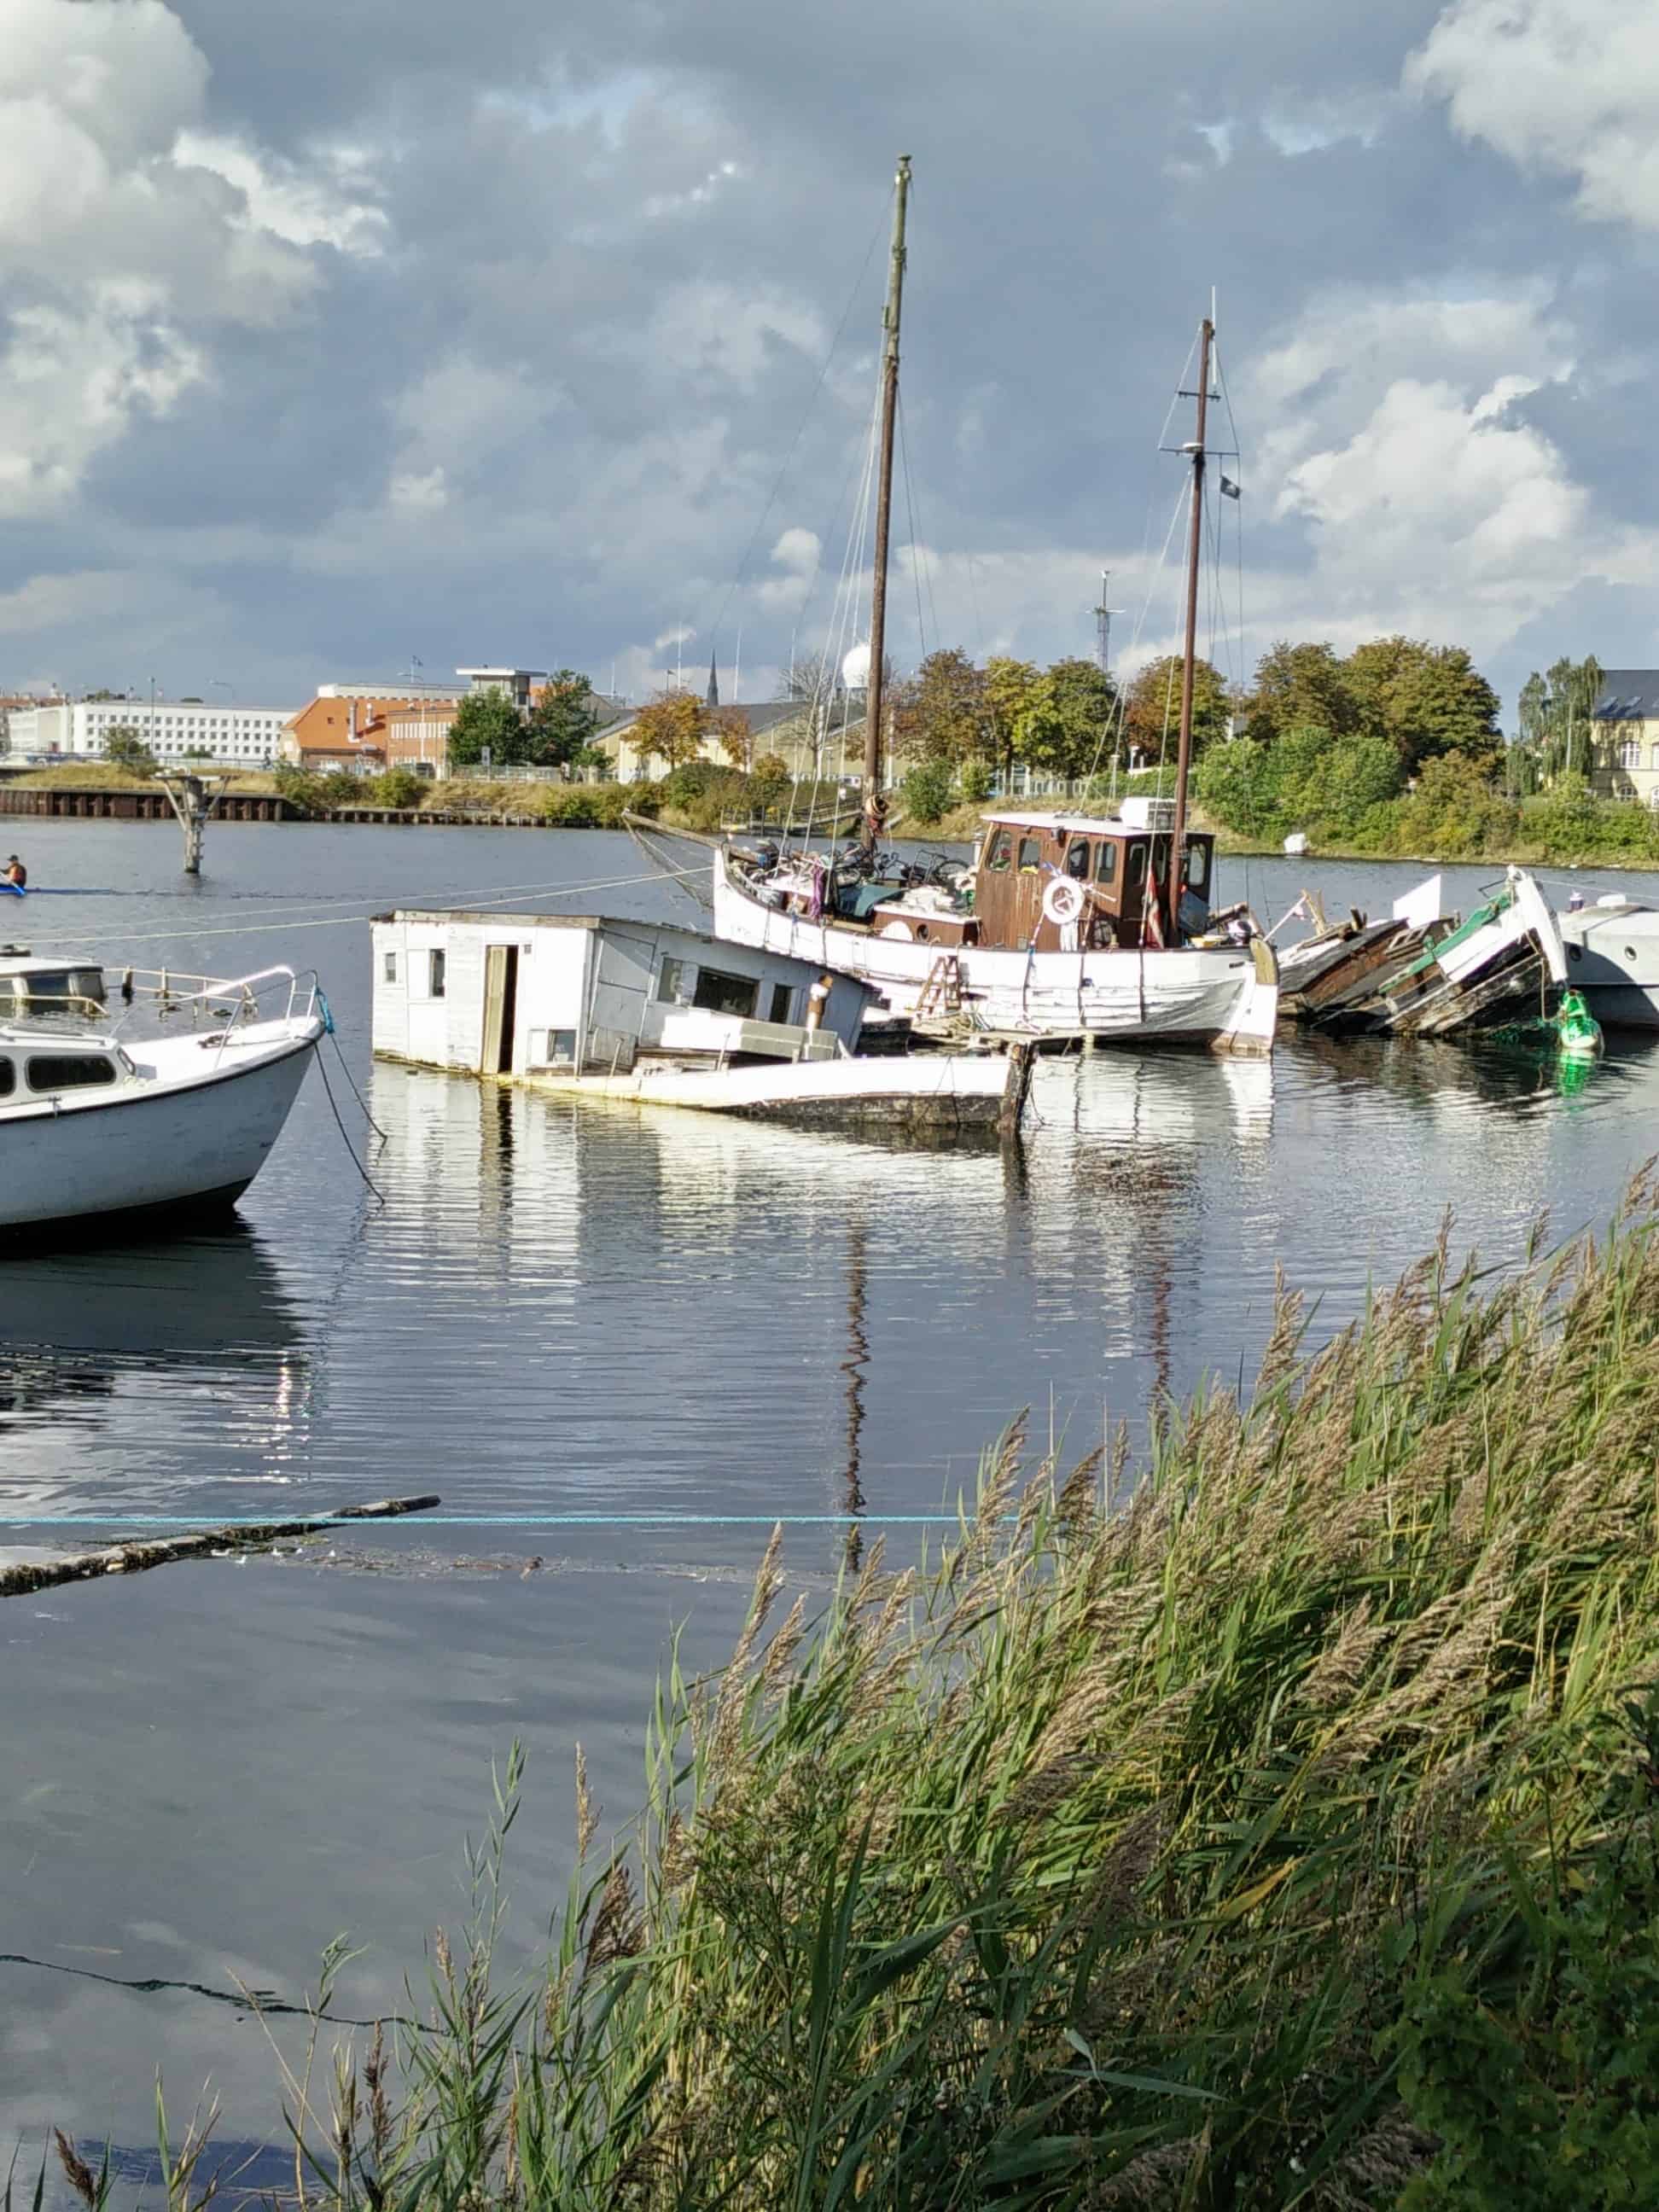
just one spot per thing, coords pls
(399, 786)
(925, 793)
(1453, 813)
(974, 784)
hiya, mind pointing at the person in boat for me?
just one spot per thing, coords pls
(1576, 901)
(818, 999)
(16, 872)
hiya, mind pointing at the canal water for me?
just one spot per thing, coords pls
(619, 1346)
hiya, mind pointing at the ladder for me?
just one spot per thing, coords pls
(942, 992)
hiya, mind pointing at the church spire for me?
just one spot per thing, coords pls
(713, 697)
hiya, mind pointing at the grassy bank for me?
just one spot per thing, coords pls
(1287, 1836)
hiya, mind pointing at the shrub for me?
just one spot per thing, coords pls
(925, 793)
(974, 784)
(399, 786)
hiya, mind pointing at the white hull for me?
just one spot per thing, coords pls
(171, 1142)
(933, 1090)
(1227, 999)
(1613, 958)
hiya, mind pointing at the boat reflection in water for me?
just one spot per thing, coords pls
(694, 1279)
(203, 1328)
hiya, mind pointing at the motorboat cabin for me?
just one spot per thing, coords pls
(30, 984)
(1080, 883)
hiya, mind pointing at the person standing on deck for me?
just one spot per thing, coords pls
(818, 999)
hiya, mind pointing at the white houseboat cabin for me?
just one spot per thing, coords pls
(528, 993)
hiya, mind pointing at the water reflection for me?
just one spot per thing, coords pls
(853, 1367)
(199, 1323)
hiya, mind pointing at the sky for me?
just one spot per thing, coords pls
(334, 339)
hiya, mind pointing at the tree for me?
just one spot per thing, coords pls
(1067, 725)
(488, 721)
(124, 748)
(1151, 716)
(729, 728)
(669, 729)
(563, 720)
(1427, 699)
(808, 677)
(1556, 711)
(1301, 687)
(1009, 686)
(939, 713)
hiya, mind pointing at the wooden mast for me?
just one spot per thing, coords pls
(1184, 756)
(875, 806)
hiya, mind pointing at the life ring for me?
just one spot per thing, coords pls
(1062, 900)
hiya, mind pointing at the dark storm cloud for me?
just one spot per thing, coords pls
(536, 404)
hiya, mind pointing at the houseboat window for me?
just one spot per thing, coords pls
(391, 967)
(1198, 868)
(668, 982)
(1028, 852)
(1106, 861)
(560, 1045)
(1137, 866)
(438, 964)
(1077, 859)
(1000, 851)
(70, 1071)
(782, 997)
(8, 1076)
(725, 994)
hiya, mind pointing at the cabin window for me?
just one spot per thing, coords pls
(391, 967)
(8, 1078)
(70, 1071)
(1077, 859)
(1136, 870)
(668, 982)
(1000, 853)
(436, 977)
(1198, 868)
(1030, 852)
(560, 1045)
(725, 994)
(1106, 861)
(782, 998)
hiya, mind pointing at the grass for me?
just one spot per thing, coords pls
(1271, 1825)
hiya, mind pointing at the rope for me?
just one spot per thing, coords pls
(664, 1520)
(379, 1195)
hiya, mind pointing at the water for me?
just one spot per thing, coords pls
(619, 1343)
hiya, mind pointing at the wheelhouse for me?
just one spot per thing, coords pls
(1080, 883)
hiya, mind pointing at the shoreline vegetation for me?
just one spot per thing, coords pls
(1564, 830)
(1273, 1824)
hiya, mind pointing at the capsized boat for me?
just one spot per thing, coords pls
(1071, 923)
(104, 1127)
(1613, 958)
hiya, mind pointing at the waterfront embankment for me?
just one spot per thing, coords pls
(1285, 1832)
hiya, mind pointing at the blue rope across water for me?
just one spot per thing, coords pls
(497, 1521)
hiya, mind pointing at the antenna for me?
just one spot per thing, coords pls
(1103, 615)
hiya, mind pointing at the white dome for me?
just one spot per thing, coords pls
(856, 668)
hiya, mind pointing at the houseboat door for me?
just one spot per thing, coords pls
(501, 1000)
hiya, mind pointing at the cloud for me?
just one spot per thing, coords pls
(1570, 87)
(797, 553)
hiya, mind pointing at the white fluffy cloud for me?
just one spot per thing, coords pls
(1568, 85)
(126, 234)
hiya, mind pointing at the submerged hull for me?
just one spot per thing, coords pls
(142, 1156)
(934, 1091)
(1225, 999)
(1505, 963)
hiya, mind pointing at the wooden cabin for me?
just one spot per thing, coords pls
(1067, 882)
(520, 994)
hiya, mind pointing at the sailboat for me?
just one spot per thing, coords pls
(1070, 922)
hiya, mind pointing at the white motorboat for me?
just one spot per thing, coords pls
(1613, 958)
(104, 1128)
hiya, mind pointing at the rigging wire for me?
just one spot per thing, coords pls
(920, 568)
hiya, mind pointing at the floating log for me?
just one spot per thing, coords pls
(133, 1558)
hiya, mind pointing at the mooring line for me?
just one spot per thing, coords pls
(666, 1519)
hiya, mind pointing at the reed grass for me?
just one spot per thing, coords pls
(1282, 1836)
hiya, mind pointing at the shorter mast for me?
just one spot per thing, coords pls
(875, 808)
(1184, 756)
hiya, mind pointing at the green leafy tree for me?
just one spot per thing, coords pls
(1427, 699)
(669, 729)
(124, 748)
(1301, 687)
(1151, 714)
(563, 720)
(939, 713)
(488, 721)
(1066, 725)
(1007, 690)
(926, 792)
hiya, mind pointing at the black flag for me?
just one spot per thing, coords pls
(1229, 488)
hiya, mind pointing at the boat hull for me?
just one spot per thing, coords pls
(1613, 958)
(141, 1157)
(928, 1091)
(1225, 1001)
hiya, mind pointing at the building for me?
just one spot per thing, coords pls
(175, 730)
(782, 726)
(1626, 716)
(521, 684)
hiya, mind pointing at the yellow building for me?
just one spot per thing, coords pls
(1626, 740)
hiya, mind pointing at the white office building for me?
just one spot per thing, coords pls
(175, 730)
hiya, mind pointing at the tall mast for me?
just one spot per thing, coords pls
(1184, 757)
(875, 806)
